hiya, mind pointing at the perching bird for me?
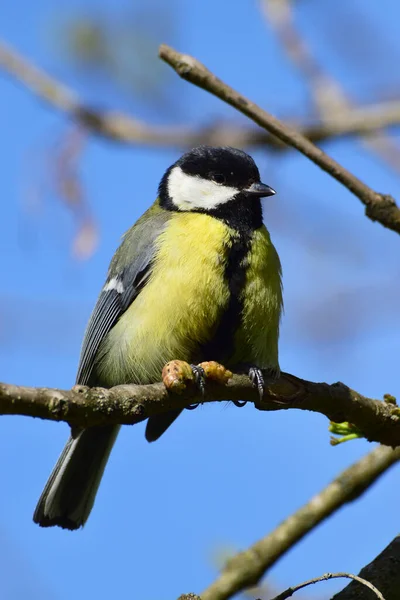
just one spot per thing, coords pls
(196, 279)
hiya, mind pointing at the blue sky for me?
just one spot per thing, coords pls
(221, 477)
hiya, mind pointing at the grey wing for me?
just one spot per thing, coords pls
(105, 314)
(123, 284)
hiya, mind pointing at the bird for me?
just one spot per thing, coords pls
(196, 278)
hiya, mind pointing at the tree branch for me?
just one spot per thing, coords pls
(128, 404)
(379, 207)
(246, 568)
(123, 128)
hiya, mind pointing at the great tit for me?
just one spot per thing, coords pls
(197, 278)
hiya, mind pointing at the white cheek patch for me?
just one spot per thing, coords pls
(189, 192)
(114, 284)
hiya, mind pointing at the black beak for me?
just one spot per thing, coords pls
(259, 190)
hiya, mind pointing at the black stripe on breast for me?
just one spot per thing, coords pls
(220, 347)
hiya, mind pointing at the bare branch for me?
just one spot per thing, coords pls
(379, 207)
(128, 404)
(246, 568)
(326, 96)
(355, 121)
(383, 572)
(114, 125)
(39, 82)
(123, 128)
(292, 590)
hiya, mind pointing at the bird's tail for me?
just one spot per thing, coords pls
(70, 491)
(158, 424)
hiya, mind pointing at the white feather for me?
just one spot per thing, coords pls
(114, 284)
(189, 192)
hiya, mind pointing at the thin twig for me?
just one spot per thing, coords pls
(292, 590)
(379, 207)
(247, 568)
(128, 404)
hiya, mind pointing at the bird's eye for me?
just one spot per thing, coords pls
(218, 177)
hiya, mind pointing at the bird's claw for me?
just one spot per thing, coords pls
(199, 377)
(257, 379)
(200, 382)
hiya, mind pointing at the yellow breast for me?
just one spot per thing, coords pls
(178, 307)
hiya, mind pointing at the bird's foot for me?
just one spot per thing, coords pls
(209, 370)
(216, 372)
(200, 382)
(261, 378)
(177, 374)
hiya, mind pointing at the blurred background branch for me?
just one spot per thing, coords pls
(246, 568)
(122, 127)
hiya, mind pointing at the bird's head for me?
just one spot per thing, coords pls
(212, 179)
